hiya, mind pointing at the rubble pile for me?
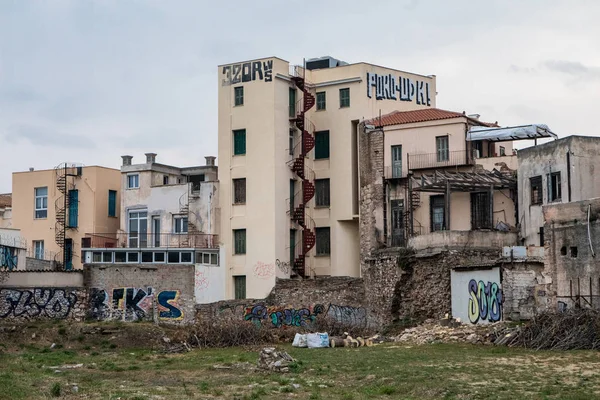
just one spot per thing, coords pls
(272, 360)
(452, 331)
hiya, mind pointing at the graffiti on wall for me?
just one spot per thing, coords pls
(247, 72)
(263, 270)
(132, 304)
(45, 302)
(8, 257)
(278, 317)
(485, 302)
(388, 87)
(201, 280)
(283, 266)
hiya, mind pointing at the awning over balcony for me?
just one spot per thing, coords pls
(524, 132)
(441, 181)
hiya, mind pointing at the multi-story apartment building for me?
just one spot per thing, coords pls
(561, 171)
(289, 163)
(55, 208)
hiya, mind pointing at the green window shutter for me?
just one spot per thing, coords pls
(239, 283)
(239, 142)
(321, 145)
(292, 103)
(321, 101)
(112, 203)
(73, 208)
(239, 238)
(344, 97)
(239, 96)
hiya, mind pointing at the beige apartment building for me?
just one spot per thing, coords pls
(288, 169)
(55, 208)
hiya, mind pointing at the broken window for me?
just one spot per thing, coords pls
(239, 191)
(554, 190)
(437, 205)
(536, 190)
(480, 211)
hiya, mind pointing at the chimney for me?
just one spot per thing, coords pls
(30, 169)
(127, 160)
(210, 161)
(474, 116)
(150, 158)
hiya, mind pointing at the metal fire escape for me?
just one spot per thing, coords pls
(62, 206)
(189, 238)
(299, 201)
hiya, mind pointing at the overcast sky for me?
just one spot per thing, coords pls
(88, 81)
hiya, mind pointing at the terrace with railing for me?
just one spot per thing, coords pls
(140, 240)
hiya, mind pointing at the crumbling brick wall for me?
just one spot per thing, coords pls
(525, 289)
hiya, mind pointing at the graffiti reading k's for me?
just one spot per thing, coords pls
(485, 301)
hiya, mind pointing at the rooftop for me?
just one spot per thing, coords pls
(428, 114)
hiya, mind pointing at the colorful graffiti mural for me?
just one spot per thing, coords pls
(43, 302)
(132, 304)
(485, 301)
(8, 257)
(277, 316)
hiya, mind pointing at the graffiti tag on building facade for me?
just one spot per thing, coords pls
(485, 302)
(247, 72)
(133, 304)
(390, 87)
(8, 257)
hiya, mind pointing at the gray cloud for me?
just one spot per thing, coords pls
(46, 137)
(574, 69)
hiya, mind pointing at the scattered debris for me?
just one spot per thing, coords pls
(53, 345)
(449, 330)
(75, 388)
(176, 347)
(273, 360)
(67, 366)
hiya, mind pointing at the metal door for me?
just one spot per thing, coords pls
(397, 223)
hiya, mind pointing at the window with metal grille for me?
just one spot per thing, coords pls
(41, 202)
(536, 190)
(323, 244)
(239, 241)
(321, 101)
(239, 142)
(239, 191)
(239, 285)
(239, 95)
(344, 97)
(292, 100)
(480, 211)
(321, 145)
(442, 147)
(322, 193)
(554, 189)
(437, 213)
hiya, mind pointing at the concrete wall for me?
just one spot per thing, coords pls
(6, 217)
(463, 239)
(43, 279)
(210, 282)
(477, 295)
(569, 258)
(35, 264)
(93, 187)
(552, 157)
(162, 293)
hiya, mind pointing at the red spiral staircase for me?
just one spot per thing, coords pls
(298, 165)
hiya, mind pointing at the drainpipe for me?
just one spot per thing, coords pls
(569, 173)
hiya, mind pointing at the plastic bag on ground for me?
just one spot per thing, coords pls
(317, 340)
(299, 340)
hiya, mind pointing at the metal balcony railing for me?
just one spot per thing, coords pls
(395, 172)
(439, 159)
(137, 240)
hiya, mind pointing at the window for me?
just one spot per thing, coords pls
(239, 142)
(437, 212)
(133, 181)
(239, 95)
(73, 208)
(112, 203)
(165, 179)
(563, 251)
(345, 97)
(480, 211)
(478, 149)
(291, 140)
(397, 161)
(574, 252)
(536, 190)
(292, 100)
(41, 202)
(441, 145)
(321, 101)
(321, 145)
(502, 151)
(239, 191)
(207, 258)
(138, 229)
(397, 207)
(322, 193)
(38, 249)
(239, 285)
(180, 224)
(239, 241)
(554, 190)
(323, 241)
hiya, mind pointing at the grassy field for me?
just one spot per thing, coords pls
(382, 372)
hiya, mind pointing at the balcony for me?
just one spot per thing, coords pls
(439, 160)
(394, 172)
(136, 240)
